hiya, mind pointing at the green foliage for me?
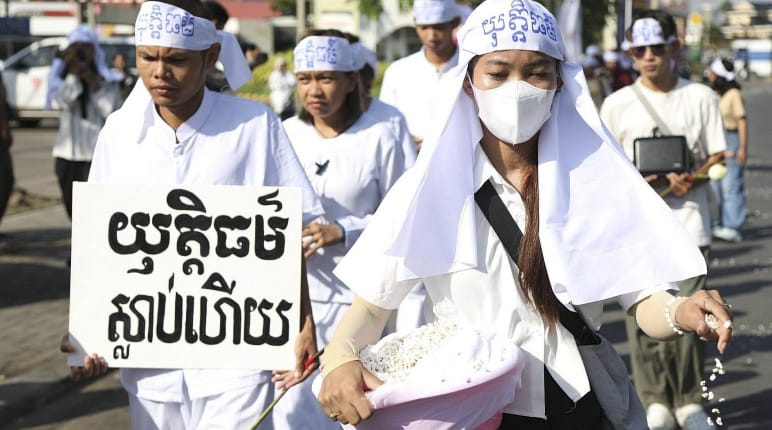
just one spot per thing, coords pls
(594, 13)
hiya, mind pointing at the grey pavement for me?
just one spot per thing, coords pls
(34, 287)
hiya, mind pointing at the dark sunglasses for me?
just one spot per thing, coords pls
(640, 51)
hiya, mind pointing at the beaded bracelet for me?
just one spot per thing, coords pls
(668, 318)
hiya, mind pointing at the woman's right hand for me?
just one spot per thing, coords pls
(93, 365)
(343, 393)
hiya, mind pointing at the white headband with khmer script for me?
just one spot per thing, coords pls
(647, 32)
(324, 53)
(163, 24)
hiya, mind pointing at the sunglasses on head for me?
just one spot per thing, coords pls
(640, 51)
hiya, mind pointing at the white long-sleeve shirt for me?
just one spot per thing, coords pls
(351, 174)
(78, 134)
(228, 141)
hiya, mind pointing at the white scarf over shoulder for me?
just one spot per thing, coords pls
(604, 232)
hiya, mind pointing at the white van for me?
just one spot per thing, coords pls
(25, 75)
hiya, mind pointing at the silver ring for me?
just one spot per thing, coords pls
(727, 306)
(334, 416)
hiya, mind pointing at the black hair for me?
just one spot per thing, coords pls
(721, 85)
(216, 12)
(352, 103)
(195, 7)
(664, 19)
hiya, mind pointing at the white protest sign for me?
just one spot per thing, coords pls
(186, 277)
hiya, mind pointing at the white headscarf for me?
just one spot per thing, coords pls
(166, 25)
(81, 34)
(717, 67)
(604, 232)
(324, 53)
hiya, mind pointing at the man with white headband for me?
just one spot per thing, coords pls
(410, 83)
(171, 130)
(517, 125)
(688, 109)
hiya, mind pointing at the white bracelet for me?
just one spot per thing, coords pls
(670, 321)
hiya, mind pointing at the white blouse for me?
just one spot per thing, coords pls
(489, 298)
(351, 174)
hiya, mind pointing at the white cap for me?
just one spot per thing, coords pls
(611, 57)
(427, 12)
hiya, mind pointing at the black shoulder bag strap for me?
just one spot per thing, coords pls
(510, 236)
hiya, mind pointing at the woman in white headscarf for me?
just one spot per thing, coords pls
(351, 162)
(87, 92)
(520, 123)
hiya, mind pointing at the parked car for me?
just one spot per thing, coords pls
(25, 75)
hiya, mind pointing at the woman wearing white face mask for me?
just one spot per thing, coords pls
(520, 129)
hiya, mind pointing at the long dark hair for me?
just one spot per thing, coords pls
(721, 85)
(533, 278)
(352, 103)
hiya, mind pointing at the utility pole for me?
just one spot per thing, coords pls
(300, 17)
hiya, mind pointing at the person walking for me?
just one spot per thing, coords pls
(410, 83)
(667, 375)
(282, 85)
(731, 189)
(173, 131)
(352, 162)
(517, 131)
(87, 92)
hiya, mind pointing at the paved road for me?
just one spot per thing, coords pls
(34, 289)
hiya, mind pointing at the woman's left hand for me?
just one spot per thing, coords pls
(690, 316)
(316, 235)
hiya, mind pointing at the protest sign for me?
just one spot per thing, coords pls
(185, 276)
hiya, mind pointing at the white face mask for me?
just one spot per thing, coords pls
(515, 111)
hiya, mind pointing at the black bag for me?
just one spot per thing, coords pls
(660, 155)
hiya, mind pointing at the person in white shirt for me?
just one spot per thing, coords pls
(351, 162)
(375, 108)
(282, 83)
(518, 119)
(410, 83)
(172, 130)
(689, 109)
(85, 90)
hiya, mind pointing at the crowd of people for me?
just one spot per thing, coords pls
(395, 228)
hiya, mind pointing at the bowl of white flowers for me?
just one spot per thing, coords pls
(441, 376)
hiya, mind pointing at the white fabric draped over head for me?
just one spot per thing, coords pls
(648, 31)
(324, 53)
(79, 35)
(364, 56)
(168, 26)
(604, 232)
(717, 67)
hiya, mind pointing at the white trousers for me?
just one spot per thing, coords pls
(236, 409)
(299, 409)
